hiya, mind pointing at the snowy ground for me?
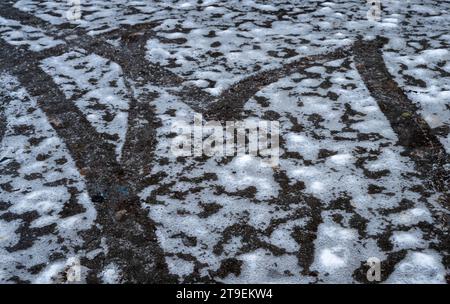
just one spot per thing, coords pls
(87, 177)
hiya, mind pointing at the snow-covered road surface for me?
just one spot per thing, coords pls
(88, 180)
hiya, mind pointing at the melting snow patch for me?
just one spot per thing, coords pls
(408, 239)
(419, 268)
(111, 274)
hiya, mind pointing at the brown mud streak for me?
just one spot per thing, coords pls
(127, 228)
(413, 133)
(131, 238)
(138, 150)
(130, 55)
(131, 58)
(230, 104)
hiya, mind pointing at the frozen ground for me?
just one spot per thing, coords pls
(87, 177)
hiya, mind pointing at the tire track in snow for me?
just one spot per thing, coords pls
(131, 240)
(413, 132)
